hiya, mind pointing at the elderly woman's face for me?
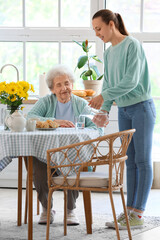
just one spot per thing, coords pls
(62, 88)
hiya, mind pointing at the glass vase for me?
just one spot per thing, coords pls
(9, 111)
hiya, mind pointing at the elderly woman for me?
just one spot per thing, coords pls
(61, 106)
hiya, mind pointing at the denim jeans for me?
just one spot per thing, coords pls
(140, 116)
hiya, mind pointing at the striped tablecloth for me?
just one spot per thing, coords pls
(14, 144)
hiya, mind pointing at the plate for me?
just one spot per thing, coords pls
(46, 129)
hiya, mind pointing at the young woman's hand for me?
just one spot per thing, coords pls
(101, 120)
(96, 102)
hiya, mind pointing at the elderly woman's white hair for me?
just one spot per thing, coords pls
(58, 70)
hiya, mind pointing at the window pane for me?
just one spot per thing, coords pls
(40, 58)
(152, 51)
(129, 10)
(151, 16)
(11, 53)
(70, 54)
(42, 13)
(75, 13)
(11, 13)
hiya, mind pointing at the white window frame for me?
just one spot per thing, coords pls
(59, 34)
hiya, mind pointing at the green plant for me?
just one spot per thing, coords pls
(91, 73)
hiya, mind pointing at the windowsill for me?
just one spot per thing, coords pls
(30, 101)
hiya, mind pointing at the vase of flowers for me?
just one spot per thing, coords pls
(12, 94)
(90, 74)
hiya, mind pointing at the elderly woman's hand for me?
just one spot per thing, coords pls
(65, 123)
(96, 102)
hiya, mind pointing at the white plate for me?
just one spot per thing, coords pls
(46, 129)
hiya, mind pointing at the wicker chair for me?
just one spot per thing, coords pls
(71, 161)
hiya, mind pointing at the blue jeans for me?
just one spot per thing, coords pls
(140, 116)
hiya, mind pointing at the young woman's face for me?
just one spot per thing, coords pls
(102, 30)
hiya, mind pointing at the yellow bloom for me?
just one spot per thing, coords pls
(14, 93)
(24, 85)
(2, 86)
(12, 98)
(11, 88)
(32, 88)
(20, 91)
(26, 96)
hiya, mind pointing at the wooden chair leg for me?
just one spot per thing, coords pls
(19, 212)
(88, 210)
(126, 215)
(30, 198)
(114, 215)
(65, 212)
(48, 213)
(26, 202)
(37, 205)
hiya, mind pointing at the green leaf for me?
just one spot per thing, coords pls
(100, 77)
(82, 61)
(94, 74)
(83, 73)
(96, 59)
(77, 43)
(84, 77)
(88, 73)
(96, 70)
(84, 46)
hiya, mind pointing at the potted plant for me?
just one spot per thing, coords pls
(90, 74)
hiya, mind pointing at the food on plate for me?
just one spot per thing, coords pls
(90, 92)
(47, 124)
(38, 124)
(52, 124)
(84, 93)
(79, 93)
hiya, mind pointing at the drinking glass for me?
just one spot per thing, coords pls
(99, 117)
(80, 122)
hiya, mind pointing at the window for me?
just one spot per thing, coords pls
(35, 35)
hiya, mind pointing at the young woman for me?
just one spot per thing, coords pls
(126, 81)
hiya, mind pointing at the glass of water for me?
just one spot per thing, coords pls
(80, 122)
(98, 117)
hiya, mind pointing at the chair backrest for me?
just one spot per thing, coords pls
(106, 150)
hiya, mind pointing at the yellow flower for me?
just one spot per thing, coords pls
(26, 96)
(14, 93)
(12, 98)
(24, 85)
(11, 88)
(2, 86)
(20, 91)
(32, 88)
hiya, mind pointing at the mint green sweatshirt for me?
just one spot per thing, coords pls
(126, 77)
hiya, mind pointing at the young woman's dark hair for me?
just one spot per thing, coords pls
(108, 16)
